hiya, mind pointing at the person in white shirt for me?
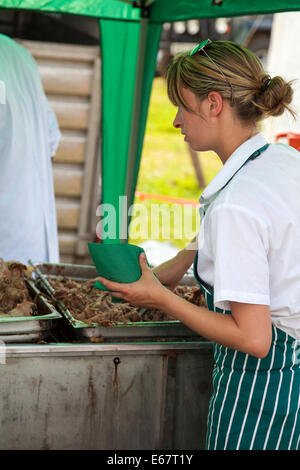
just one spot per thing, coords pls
(247, 258)
(29, 136)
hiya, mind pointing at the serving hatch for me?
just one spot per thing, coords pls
(48, 273)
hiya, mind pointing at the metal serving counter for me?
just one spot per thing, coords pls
(145, 385)
(105, 396)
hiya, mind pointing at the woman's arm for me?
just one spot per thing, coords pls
(171, 272)
(247, 329)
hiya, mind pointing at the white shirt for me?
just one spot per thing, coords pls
(29, 136)
(249, 239)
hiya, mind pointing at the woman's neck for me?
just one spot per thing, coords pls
(231, 133)
(233, 140)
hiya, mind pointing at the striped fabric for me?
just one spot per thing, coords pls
(256, 402)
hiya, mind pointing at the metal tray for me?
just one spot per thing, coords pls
(26, 329)
(135, 330)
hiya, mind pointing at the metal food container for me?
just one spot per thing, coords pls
(105, 396)
(26, 329)
(135, 331)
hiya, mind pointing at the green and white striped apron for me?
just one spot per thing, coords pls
(256, 402)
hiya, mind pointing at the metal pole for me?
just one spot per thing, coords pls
(134, 123)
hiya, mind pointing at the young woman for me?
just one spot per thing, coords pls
(247, 256)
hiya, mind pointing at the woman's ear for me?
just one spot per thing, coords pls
(215, 103)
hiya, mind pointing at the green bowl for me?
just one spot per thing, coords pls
(118, 262)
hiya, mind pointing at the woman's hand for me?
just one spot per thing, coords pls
(146, 292)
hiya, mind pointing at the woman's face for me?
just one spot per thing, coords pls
(196, 128)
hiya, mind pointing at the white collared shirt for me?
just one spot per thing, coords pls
(29, 136)
(249, 239)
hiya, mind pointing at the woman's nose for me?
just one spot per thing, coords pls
(177, 121)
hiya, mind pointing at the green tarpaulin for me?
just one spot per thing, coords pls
(160, 10)
(129, 52)
(129, 44)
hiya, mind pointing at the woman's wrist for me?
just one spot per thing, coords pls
(164, 300)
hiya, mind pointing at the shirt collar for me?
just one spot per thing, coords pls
(232, 165)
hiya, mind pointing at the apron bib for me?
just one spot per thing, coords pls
(256, 402)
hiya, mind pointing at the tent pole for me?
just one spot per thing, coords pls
(135, 123)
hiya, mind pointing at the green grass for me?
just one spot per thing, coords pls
(166, 169)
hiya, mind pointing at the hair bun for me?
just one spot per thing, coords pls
(275, 97)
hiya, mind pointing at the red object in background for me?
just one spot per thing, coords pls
(292, 137)
(159, 197)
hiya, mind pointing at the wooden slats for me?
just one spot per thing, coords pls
(71, 80)
(61, 52)
(71, 114)
(71, 148)
(67, 180)
(67, 242)
(66, 80)
(67, 214)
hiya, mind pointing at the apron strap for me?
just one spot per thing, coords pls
(202, 213)
(253, 156)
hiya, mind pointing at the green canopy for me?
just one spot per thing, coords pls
(160, 11)
(129, 37)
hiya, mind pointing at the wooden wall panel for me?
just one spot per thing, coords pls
(71, 148)
(66, 80)
(67, 214)
(67, 181)
(67, 242)
(71, 114)
(71, 80)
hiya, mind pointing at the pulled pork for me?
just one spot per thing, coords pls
(15, 299)
(94, 306)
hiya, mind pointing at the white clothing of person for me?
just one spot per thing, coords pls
(29, 137)
(249, 239)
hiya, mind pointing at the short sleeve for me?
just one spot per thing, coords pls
(53, 130)
(239, 247)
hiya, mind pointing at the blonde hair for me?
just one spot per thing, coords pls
(237, 74)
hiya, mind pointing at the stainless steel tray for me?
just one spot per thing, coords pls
(137, 330)
(26, 329)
